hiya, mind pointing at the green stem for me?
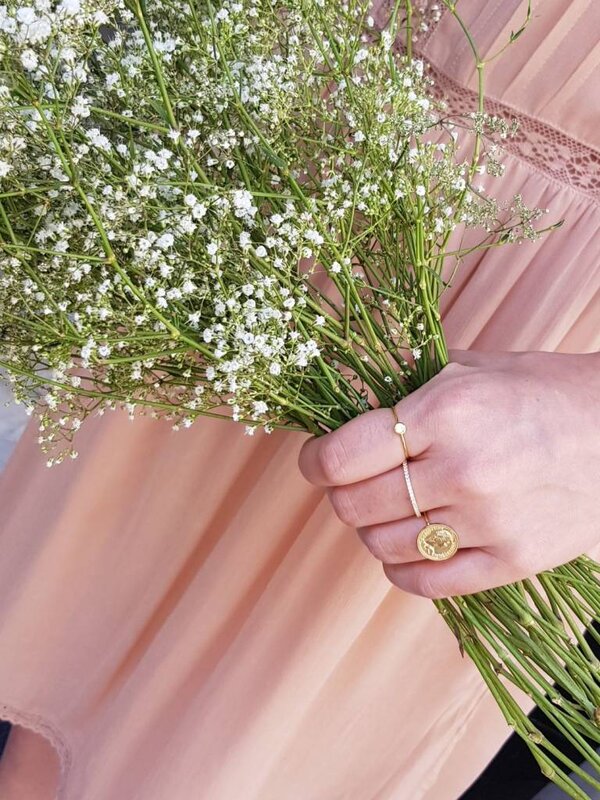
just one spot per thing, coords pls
(139, 13)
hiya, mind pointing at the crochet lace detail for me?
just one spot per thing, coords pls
(37, 724)
(545, 148)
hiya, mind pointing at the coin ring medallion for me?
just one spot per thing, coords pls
(437, 542)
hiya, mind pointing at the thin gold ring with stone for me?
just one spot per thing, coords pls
(400, 429)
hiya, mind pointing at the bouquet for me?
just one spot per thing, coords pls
(250, 209)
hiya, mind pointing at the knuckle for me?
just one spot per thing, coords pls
(453, 369)
(332, 456)
(470, 477)
(425, 586)
(343, 504)
(459, 400)
(376, 543)
(416, 581)
(523, 560)
(391, 574)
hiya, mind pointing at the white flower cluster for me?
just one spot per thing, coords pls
(218, 208)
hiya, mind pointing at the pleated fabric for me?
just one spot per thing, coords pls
(182, 616)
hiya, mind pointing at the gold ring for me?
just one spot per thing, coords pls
(400, 429)
(411, 491)
(437, 542)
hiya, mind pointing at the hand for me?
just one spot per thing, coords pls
(505, 448)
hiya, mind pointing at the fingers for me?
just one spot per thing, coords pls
(385, 497)
(367, 445)
(469, 571)
(393, 542)
(396, 542)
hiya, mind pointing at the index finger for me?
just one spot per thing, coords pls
(367, 445)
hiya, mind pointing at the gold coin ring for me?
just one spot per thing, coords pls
(437, 542)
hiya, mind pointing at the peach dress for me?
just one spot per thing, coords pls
(182, 616)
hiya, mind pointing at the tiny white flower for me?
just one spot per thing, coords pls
(314, 236)
(81, 108)
(69, 7)
(39, 30)
(199, 211)
(166, 241)
(29, 60)
(25, 15)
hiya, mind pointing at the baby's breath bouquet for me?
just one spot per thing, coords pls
(250, 209)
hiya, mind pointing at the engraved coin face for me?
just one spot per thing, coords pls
(437, 542)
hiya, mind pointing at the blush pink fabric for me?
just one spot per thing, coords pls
(182, 616)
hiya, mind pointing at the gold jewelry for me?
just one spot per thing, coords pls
(411, 491)
(400, 429)
(437, 542)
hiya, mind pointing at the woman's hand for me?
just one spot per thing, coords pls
(505, 448)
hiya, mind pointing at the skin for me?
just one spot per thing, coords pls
(504, 447)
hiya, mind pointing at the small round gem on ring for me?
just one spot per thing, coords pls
(400, 429)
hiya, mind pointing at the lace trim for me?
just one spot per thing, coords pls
(545, 148)
(37, 724)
